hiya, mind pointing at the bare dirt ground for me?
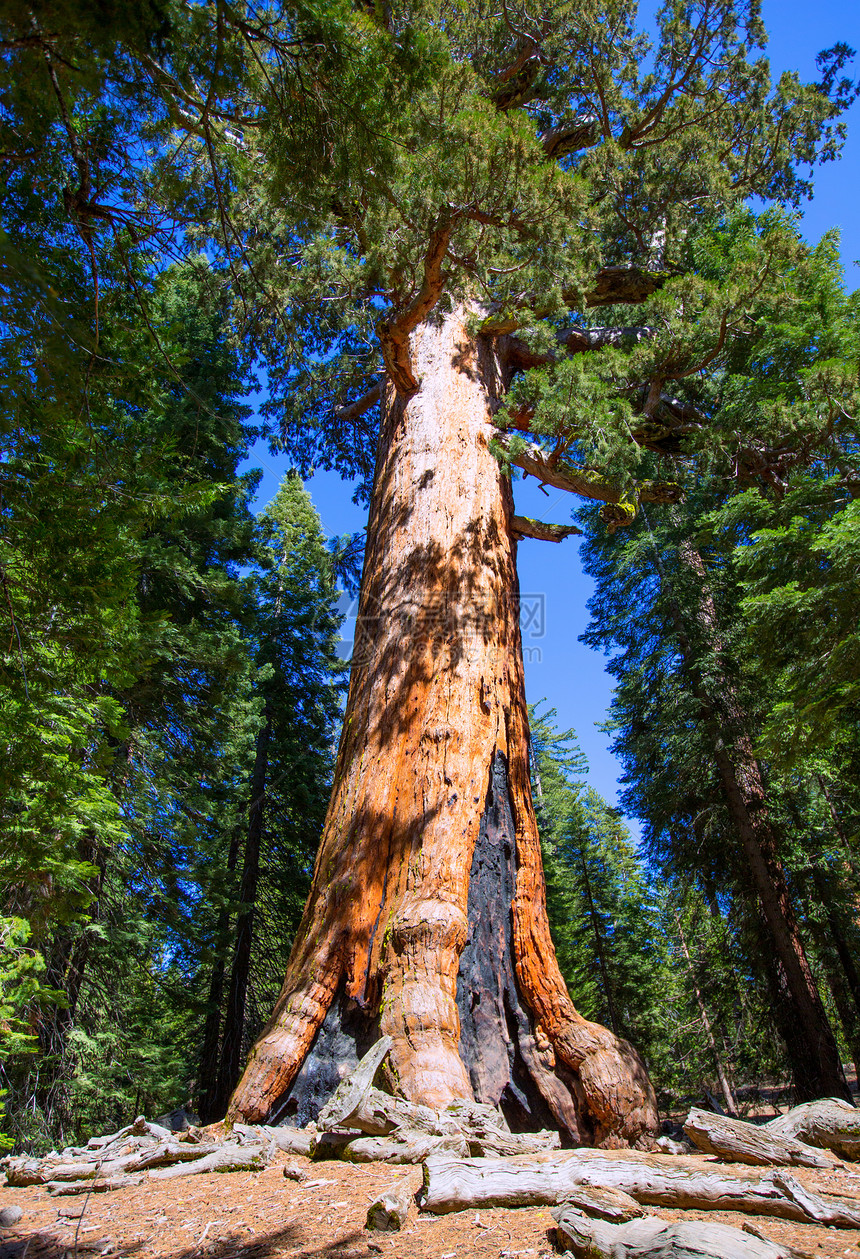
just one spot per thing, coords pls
(263, 1215)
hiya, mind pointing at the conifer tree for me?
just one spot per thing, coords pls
(297, 683)
(540, 174)
(489, 177)
(683, 713)
(605, 913)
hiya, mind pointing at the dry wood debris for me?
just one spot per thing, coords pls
(472, 1160)
(693, 1239)
(124, 1158)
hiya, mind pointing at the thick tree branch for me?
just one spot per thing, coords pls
(581, 133)
(620, 285)
(353, 410)
(518, 356)
(622, 505)
(611, 286)
(525, 527)
(394, 333)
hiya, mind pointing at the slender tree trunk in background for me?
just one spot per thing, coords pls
(535, 772)
(722, 1073)
(844, 1006)
(234, 1017)
(810, 1042)
(68, 956)
(598, 943)
(427, 918)
(209, 1051)
(844, 980)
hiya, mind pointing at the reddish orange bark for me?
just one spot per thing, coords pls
(436, 715)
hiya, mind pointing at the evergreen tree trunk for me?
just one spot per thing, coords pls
(598, 943)
(810, 1042)
(843, 980)
(722, 1072)
(427, 918)
(234, 1018)
(208, 1103)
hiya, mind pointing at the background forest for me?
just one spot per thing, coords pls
(171, 685)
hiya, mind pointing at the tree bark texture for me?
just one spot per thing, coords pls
(452, 1184)
(654, 1238)
(208, 1105)
(427, 919)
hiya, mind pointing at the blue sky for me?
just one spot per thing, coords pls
(559, 667)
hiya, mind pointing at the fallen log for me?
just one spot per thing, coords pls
(357, 1104)
(350, 1093)
(488, 1134)
(41, 1171)
(332, 1144)
(641, 1239)
(469, 1114)
(66, 1188)
(388, 1212)
(290, 1140)
(739, 1142)
(226, 1158)
(402, 1147)
(489, 1142)
(377, 1114)
(122, 1159)
(828, 1123)
(605, 1204)
(460, 1184)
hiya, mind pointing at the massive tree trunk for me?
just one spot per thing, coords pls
(427, 919)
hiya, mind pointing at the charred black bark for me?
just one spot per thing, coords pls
(347, 1033)
(497, 1037)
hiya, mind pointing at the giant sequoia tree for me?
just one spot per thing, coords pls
(550, 165)
(426, 204)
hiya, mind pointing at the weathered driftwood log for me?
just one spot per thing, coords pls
(102, 1164)
(290, 1140)
(96, 1146)
(490, 1143)
(605, 1204)
(332, 1144)
(388, 1213)
(377, 1114)
(656, 1239)
(123, 1158)
(400, 1131)
(64, 1188)
(474, 1115)
(229, 1157)
(739, 1142)
(458, 1184)
(487, 1132)
(403, 1147)
(828, 1123)
(350, 1093)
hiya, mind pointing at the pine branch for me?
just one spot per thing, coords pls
(622, 504)
(611, 286)
(353, 410)
(525, 527)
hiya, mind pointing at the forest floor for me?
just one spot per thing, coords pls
(263, 1215)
